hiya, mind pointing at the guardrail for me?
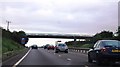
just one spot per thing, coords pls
(82, 50)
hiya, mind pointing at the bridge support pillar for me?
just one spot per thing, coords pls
(75, 42)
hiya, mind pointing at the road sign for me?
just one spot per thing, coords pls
(23, 41)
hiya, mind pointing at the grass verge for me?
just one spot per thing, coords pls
(10, 48)
(82, 45)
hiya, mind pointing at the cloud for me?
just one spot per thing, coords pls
(65, 16)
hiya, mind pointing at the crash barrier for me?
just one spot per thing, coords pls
(82, 50)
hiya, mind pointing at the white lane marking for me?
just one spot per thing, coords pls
(68, 59)
(86, 66)
(79, 53)
(21, 59)
(59, 55)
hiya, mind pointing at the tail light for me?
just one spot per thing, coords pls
(103, 49)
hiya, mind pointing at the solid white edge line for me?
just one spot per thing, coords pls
(21, 59)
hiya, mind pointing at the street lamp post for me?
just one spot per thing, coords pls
(8, 25)
(74, 41)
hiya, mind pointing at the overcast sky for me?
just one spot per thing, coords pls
(62, 16)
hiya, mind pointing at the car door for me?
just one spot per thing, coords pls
(94, 50)
(97, 50)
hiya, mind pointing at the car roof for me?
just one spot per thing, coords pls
(61, 43)
(108, 40)
(34, 45)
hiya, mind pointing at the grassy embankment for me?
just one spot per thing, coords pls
(0, 50)
(10, 48)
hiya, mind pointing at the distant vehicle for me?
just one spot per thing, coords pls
(50, 47)
(105, 51)
(41, 46)
(61, 47)
(46, 46)
(34, 47)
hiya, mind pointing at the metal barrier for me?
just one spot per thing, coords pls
(81, 50)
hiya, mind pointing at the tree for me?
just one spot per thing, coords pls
(118, 37)
(102, 35)
(118, 31)
(6, 34)
(17, 36)
(22, 34)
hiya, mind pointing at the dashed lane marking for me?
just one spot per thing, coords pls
(86, 66)
(59, 55)
(68, 59)
(21, 59)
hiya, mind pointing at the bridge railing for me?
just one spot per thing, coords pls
(53, 34)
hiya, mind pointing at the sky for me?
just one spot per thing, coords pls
(60, 16)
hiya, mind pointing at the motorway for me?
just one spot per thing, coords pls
(48, 57)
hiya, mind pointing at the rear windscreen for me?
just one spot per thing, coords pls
(61, 45)
(112, 43)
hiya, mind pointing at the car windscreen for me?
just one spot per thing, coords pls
(111, 43)
(61, 45)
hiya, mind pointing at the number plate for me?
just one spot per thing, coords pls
(115, 50)
(62, 47)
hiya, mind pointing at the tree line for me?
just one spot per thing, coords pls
(107, 35)
(100, 36)
(15, 36)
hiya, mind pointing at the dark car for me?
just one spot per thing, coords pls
(50, 47)
(34, 47)
(105, 51)
(46, 46)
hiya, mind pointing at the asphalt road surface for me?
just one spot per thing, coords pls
(49, 57)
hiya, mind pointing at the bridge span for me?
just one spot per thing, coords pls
(65, 36)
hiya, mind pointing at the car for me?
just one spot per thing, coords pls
(34, 47)
(41, 46)
(46, 46)
(50, 47)
(104, 51)
(61, 47)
